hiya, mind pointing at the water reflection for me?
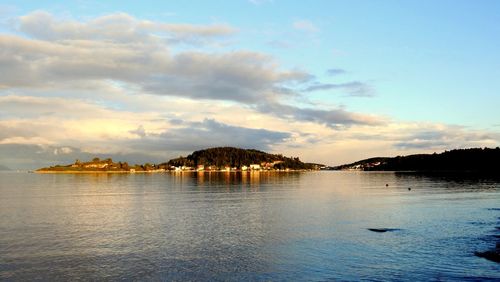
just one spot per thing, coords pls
(245, 226)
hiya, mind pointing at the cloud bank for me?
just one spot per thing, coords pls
(133, 89)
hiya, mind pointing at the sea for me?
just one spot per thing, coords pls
(248, 226)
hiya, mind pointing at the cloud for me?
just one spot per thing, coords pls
(441, 137)
(64, 129)
(28, 107)
(240, 76)
(149, 147)
(334, 71)
(333, 118)
(69, 127)
(305, 26)
(124, 86)
(98, 52)
(245, 77)
(54, 120)
(118, 28)
(421, 144)
(140, 131)
(354, 88)
(209, 133)
(9, 131)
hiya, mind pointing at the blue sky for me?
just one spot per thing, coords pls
(418, 65)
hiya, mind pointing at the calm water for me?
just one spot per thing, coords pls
(232, 226)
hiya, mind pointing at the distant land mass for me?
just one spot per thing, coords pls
(3, 168)
(239, 158)
(212, 159)
(473, 159)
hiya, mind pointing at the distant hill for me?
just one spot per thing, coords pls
(2, 168)
(235, 157)
(474, 159)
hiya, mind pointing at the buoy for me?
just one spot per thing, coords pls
(386, 185)
(409, 189)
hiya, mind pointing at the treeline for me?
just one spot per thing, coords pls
(212, 159)
(97, 165)
(236, 157)
(474, 159)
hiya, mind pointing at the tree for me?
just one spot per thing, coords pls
(124, 166)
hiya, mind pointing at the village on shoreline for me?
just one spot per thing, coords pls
(219, 159)
(108, 166)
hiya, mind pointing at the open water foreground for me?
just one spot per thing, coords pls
(204, 226)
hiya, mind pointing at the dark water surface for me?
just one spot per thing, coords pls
(250, 226)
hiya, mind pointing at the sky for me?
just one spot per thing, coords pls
(331, 82)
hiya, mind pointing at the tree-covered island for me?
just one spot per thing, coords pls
(213, 159)
(98, 165)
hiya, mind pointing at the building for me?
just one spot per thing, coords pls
(255, 166)
(96, 165)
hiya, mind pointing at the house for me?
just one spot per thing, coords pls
(95, 165)
(244, 168)
(255, 166)
(200, 167)
(267, 165)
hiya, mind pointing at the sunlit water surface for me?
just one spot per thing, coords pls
(250, 226)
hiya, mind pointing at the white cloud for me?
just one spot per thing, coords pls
(305, 25)
(353, 88)
(118, 28)
(80, 57)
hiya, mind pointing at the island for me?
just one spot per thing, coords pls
(213, 159)
(473, 160)
(97, 165)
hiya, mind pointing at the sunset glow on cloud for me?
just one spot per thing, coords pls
(142, 85)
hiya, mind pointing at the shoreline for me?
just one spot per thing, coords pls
(167, 171)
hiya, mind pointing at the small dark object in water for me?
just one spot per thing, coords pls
(489, 255)
(386, 185)
(381, 230)
(409, 189)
